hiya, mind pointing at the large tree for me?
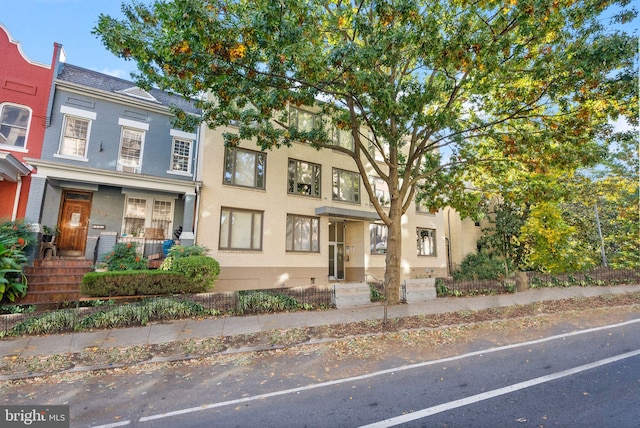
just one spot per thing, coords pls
(530, 79)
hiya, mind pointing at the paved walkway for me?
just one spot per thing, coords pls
(229, 326)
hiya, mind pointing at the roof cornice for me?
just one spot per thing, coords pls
(68, 172)
(111, 96)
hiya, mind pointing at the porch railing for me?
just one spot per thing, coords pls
(145, 246)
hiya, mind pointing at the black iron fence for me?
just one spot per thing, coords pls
(124, 312)
(265, 301)
(597, 276)
(592, 277)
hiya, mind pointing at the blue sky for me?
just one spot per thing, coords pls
(37, 24)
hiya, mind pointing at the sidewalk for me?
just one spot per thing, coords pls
(228, 326)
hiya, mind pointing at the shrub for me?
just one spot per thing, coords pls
(481, 265)
(50, 322)
(178, 251)
(17, 234)
(13, 283)
(132, 283)
(124, 257)
(263, 301)
(201, 270)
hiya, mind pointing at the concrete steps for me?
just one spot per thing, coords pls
(55, 280)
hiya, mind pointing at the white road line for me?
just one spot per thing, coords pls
(114, 425)
(495, 393)
(374, 374)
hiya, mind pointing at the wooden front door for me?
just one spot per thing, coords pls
(74, 223)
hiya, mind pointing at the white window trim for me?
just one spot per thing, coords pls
(133, 124)
(185, 136)
(26, 136)
(80, 114)
(181, 134)
(84, 114)
(148, 216)
(138, 126)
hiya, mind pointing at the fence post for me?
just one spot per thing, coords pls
(522, 281)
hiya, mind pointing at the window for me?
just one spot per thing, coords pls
(75, 137)
(240, 229)
(130, 150)
(346, 186)
(381, 190)
(14, 125)
(161, 217)
(421, 207)
(181, 149)
(181, 156)
(76, 128)
(378, 234)
(375, 151)
(304, 121)
(303, 233)
(304, 178)
(244, 168)
(135, 216)
(343, 138)
(426, 242)
(154, 220)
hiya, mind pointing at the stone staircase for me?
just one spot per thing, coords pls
(55, 280)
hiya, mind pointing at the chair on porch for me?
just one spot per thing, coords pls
(48, 250)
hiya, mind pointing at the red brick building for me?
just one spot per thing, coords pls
(25, 88)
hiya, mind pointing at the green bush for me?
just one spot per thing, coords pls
(124, 257)
(481, 265)
(201, 270)
(50, 322)
(132, 283)
(13, 283)
(264, 301)
(178, 251)
(18, 234)
(15, 236)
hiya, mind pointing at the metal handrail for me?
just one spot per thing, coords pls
(373, 276)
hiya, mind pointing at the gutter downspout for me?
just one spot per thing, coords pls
(196, 174)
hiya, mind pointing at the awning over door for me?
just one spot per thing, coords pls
(11, 169)
(347, 213)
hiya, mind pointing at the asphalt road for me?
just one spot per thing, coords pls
(591, 379)
(566, 377)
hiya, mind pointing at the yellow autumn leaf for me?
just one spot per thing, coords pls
(238, 51)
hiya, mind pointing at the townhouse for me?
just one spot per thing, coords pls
(112, 167)
(25, 87)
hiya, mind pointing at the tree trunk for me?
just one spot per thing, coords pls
(394, 254)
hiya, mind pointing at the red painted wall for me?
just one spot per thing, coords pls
(27, 83)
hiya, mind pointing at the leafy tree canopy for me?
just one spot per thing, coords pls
(511, 89)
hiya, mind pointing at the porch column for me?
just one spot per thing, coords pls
(187, 237)
(32, 214)
(36, 199)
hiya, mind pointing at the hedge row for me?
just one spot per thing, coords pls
(138, 282)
